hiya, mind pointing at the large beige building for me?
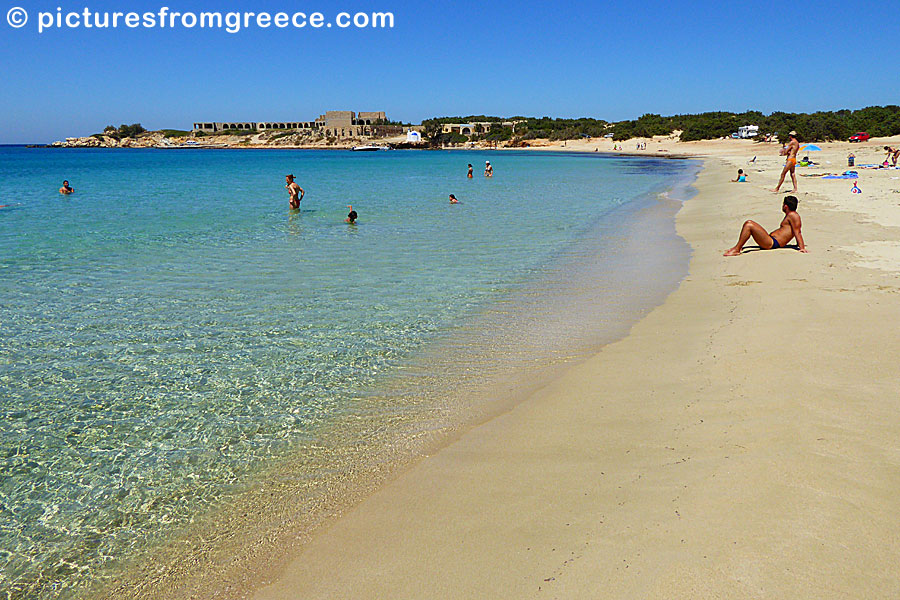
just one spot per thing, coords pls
(334, 123)
(345, 123)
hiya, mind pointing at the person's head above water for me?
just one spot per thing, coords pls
(453, 199)
(790, 202)
(351, 216)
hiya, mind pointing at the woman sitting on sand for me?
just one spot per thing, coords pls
(779, 238)
(741, 178)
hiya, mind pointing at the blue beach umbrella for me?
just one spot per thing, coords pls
(811, 148)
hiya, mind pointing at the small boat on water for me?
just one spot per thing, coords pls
(369, 148)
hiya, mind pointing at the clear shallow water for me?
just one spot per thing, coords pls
(171, 329)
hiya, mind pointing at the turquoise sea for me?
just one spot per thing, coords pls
(171, 332)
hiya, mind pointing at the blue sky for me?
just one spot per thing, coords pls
(610, 60)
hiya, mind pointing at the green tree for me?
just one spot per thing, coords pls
(132, 130)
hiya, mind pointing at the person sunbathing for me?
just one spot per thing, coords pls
(779, 238)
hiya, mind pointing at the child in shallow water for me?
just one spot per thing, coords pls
(351, 216)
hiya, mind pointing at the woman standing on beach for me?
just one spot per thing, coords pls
(789, 167)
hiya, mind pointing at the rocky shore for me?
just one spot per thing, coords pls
(266, 139)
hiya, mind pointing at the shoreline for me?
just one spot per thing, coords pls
(714, 469)
(560, 149)
(656, 147)
(658, 206)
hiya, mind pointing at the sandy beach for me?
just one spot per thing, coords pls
(740, 442)
(513, 315)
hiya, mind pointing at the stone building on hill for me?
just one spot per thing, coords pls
(334, 123)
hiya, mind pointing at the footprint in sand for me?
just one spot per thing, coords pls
(742, 283)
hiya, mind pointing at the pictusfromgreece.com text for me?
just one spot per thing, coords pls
(167, 18)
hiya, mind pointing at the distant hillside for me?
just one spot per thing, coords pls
(135, 136)
(878, 121)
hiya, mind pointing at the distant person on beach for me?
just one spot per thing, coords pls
(892, 153)
(453, 199)
(295, 191)
(471, 170)
(791, 165)
(351, 216)
(781, 237)
(741, 177)
(488, 169)
(65, 190)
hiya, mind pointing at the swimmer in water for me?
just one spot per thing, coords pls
(488, 169)
(295, 191)
(65, 190)
(351, 216)
(453, 199)
(471, 169)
